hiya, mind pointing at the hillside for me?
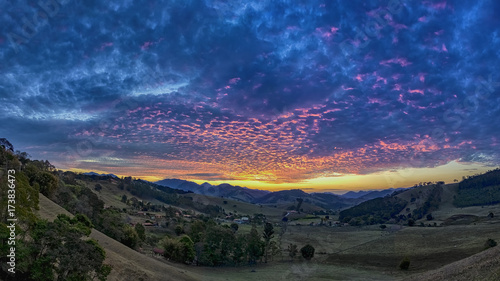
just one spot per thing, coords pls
(127, 264)
(425, 203)
(479, 190)
(484, 266)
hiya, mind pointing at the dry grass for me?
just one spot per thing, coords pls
(127, 263)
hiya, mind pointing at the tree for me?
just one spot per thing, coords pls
(171, 248)
(54, 248)
(197, 230)
(307, 252)
(234, 227)
(491, 215)
(299, 204)
(187, 249)
(255, 246)
(490, 243)
(430, 217)
(411, 222)
(267, 235)
(47, 181)
(124, 198)
(6, 144)
(130, 236)
(404, 264)
(292, 251)
(98, 187)
(141, 231)
(178, 229)
(383, 226)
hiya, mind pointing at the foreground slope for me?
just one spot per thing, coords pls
(127, 263)
(484, 266)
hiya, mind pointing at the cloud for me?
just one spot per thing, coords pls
(275, 91)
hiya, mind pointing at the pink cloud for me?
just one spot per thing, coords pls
(234, 80)
(443, 48)
(401, 61)
(105, 45)
(439, 6)
(416, 91)
(421, 77)
(146, 45)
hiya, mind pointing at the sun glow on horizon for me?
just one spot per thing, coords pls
(396, 178)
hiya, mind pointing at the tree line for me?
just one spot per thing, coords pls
(44, 250)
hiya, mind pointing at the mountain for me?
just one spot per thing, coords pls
(172, 183)
(222, 190)
(369, 194)
(400, 206)
(100, 175)
(355, 194)
(324, 200)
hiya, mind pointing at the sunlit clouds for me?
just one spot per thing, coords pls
(267, 94)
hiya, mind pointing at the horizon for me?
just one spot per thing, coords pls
(322, 97)
(396, 177)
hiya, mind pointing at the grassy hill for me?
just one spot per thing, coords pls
(479, 190)
(127, 264)
(484, 266)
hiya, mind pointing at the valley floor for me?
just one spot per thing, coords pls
(342, 253)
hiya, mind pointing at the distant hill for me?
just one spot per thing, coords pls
(222, 190)
(324, 200)
(369, 194)
(100, 175)
(355, 194)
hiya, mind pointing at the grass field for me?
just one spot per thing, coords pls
(342, 253)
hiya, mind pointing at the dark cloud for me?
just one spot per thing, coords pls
(266, 90)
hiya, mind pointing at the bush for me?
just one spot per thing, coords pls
(404, 264)
(411, 222)
(490, 243)
(307, 252)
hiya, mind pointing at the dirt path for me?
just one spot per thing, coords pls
(127, 263)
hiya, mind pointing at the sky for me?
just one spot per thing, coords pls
(319, 95)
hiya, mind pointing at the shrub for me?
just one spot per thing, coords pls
(411, 222)
(404, 264)
(179, 230)
(490, 243)
(307, 252)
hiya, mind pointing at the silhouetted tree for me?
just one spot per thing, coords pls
(404, 264)
(292, 251)
(299, 204)
(307, 252)
(267, 235)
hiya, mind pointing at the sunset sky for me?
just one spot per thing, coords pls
(317, 95)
